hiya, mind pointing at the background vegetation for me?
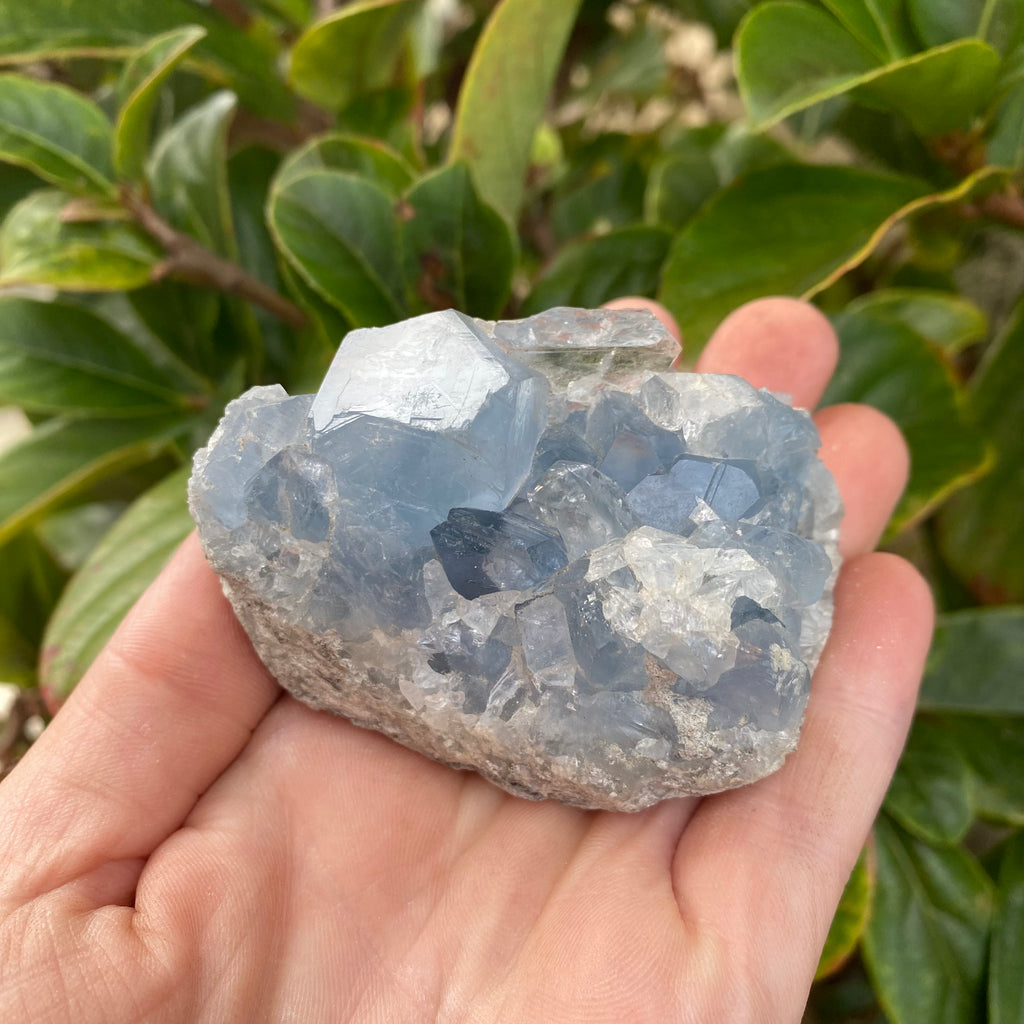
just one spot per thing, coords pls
(200, 197)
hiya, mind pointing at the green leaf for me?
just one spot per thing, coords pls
(678, 187)
(63, 457)
(39, 246)
(505, 92)
(851, 916)
(71, 535)
(17, 656)
(351, 52)
(942, 21)
(56, 358)
(250, 173)
(339, 151)
(783, 230)
(1006, 979)
(880, 25)
(297, 12)
(948, 321)
(698, 163)
(925, 943)
(52, 130)
(1006, 142)
(121, 567)
(33, 582)
(603, 189)
(931, 794)
(980, 530)
(183, 318)
(791, 56)
(993, 747)
(459, 252)
(139, 89)
(626, 261)
(339, 232)
(891, 367)
(54, 29)
(188, 173)
(976, 664)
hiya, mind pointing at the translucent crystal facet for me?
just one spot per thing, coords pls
(530, 549)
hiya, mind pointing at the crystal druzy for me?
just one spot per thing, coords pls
(531, 549)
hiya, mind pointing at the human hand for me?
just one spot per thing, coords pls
(186, 844)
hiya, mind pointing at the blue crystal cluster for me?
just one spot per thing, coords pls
(530, 549)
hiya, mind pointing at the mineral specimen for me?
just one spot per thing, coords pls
(530, 549)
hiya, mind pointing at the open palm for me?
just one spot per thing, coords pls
(186, 844)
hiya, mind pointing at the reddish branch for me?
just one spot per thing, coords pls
(187, 260)
(1007, 207)
(235, 12)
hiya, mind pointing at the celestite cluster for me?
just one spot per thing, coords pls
(530, 549)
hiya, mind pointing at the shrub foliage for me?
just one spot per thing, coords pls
(198, 197)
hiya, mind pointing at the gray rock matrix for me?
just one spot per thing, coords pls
(530, 549)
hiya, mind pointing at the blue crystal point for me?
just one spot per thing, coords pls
(483, 552)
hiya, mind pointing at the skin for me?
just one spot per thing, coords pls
(185, 844)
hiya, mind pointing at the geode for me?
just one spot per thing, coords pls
(531, 549)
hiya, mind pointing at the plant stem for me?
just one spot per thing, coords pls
(1007, 207)
(190, 261)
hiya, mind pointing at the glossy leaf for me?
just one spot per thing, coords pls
(891, 367)
(56, 358)
(56, 133)
(52, 29)
(37, 246)
(976, 664)
(950, 322)
(339, 232)
(1006, 143)
(353, 51)
(123, 564)
(71, 534)
(980, 529)
(791, 55)
(188, 173)
(627, 261)
(505, 92)
(678, 187)
(925, 943)
(931, 794)
(941, 21)
(851, 916)
(139, 89)
(993, 748)
(63, 457)
(1006, 979)
(459, 252)
(338, 151)
(880, 25)
(779, 231)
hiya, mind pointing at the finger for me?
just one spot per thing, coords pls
(766, 864)
(866, 453)
(164, 709)
(780, 344)
(639, 302)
